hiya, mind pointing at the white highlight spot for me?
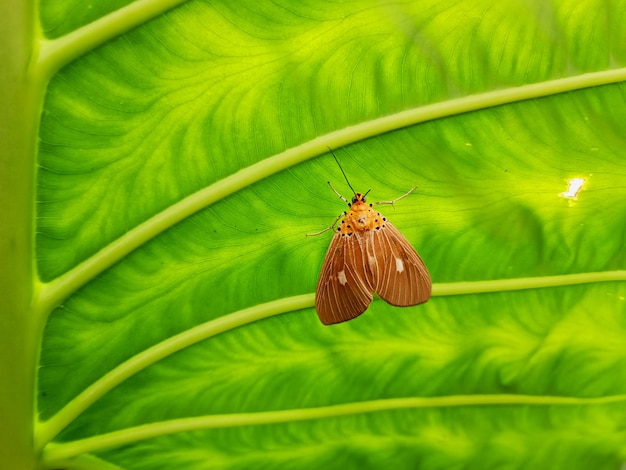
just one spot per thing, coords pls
(573, 188)
(372, 261)
(399, 265)
(342, 278)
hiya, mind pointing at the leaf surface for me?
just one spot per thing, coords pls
(182, 163)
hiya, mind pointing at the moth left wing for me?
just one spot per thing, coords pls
(344, 290)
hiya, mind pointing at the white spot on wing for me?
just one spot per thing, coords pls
(399, 265)
(342, 278)
(372, 261)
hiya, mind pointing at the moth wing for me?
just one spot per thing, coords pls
(400, 276)
(344, 290)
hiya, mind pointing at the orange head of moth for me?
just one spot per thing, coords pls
(361, 217)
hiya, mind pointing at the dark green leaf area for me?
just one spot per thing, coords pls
(61, 17)
(472, 438)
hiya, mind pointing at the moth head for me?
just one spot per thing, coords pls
(358, 197)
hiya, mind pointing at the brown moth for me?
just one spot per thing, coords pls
(368, 254)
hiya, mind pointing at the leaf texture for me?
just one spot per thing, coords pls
(208, 89)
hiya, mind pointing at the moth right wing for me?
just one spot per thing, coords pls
(400, 276)
(344, 290)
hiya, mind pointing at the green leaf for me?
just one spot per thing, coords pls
(182, 158)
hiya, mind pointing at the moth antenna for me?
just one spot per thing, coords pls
(342, 172)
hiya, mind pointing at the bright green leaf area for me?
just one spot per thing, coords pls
(182, 163)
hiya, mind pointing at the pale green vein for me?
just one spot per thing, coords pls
(57, 53)
(53, 293)
(503, 285)
(46, 431)
(128, 436)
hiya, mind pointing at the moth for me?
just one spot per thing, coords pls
(367, 255)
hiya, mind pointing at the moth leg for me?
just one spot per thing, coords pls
(396, 199)
(340, 196)
(327, 228)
